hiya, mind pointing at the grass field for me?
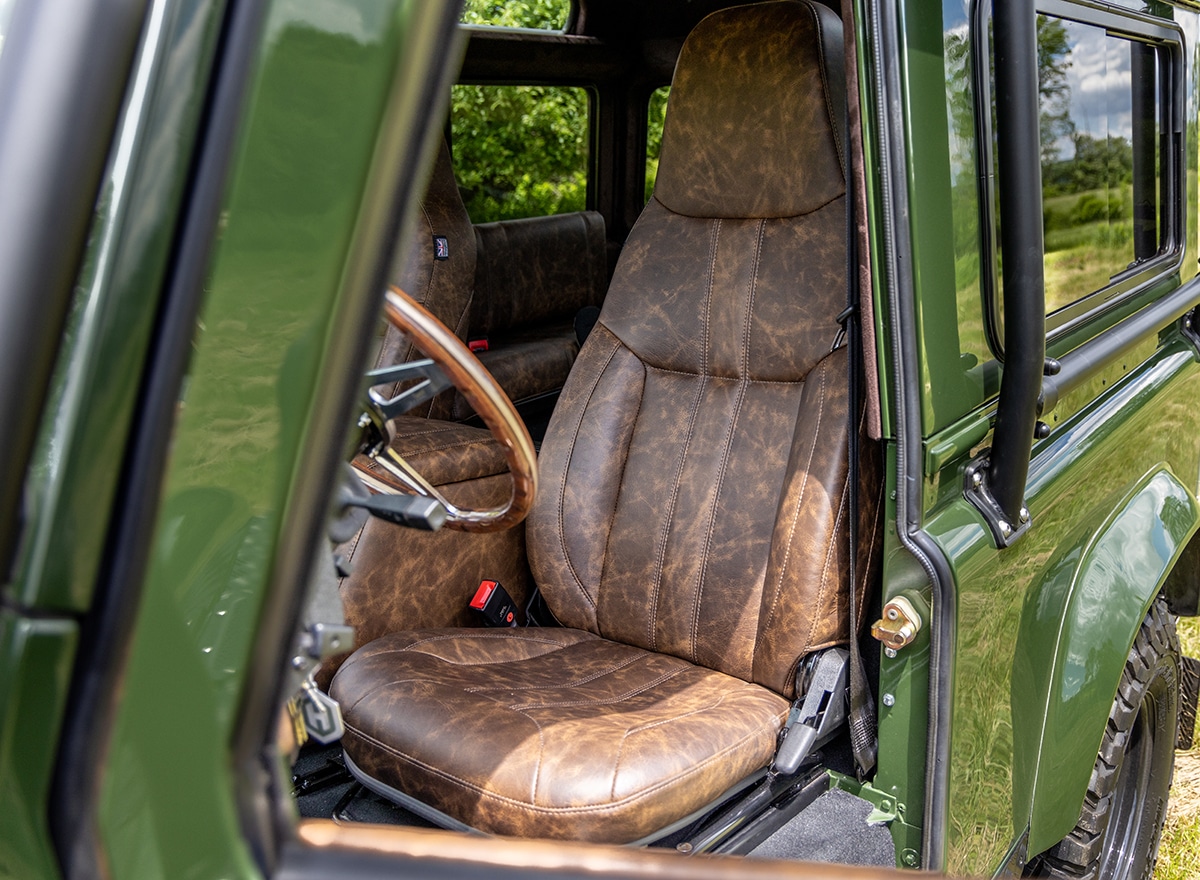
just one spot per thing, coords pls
(1179, 854)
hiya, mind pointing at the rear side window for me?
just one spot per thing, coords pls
(549, 15)
(1111, 156)
(520, 151)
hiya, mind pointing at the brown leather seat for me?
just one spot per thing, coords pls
(691, 530)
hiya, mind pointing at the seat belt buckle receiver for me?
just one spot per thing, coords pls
(495, 605)
(817, 713)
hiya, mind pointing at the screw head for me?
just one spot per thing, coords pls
(910, 858)
(1024, 514)
(977, 479)
(890, 653)
(363, 420)
(889, 700)
(1005, 528)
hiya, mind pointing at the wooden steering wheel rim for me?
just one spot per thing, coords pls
(488, 399)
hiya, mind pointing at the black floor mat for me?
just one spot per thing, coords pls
(833, 829)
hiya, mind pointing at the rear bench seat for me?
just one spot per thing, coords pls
(532, 277)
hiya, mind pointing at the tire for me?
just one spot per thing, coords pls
(1119, 827)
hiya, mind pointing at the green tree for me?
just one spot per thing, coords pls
(519, 151)
(543, 14)
(1054, 59)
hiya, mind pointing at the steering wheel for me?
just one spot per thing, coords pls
(489, 401)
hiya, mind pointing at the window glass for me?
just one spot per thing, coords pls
(1099, 142)
(654, 128)
(520, 151)
(964, 187)
(6, 8)
(540, 14)
(1107, 157)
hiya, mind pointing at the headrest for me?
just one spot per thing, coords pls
(754, 118)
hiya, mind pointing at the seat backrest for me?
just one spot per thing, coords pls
(537, 272)
(693, 479)
(438, 272)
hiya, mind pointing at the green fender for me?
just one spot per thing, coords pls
(1078, 623)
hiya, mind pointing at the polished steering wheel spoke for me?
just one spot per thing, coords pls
(449, 363)
(431, 382)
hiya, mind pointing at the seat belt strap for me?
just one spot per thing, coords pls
(863, 728)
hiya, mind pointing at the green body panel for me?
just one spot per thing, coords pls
(85, 426)
(904, 725)
(299, 176)
(1111, 456)
(1092, 598)
(36, 657)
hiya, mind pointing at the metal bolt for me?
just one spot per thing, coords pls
(892, 613)
(977, 479)
(910, 858)
(1005, 528)
(298, 662)
(684, 847)
(1024, 514)
(889, 700)
(890, 653)
(363, 420)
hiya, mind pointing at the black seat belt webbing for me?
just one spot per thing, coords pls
(862, 706)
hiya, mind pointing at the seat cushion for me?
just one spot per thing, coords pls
(551, 732)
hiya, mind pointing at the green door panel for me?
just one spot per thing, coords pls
(1090, 607)
(300, 174)
(35, 674)
(1113, 455)
(81, 444)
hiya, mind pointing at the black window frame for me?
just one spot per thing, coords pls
(1168, 41)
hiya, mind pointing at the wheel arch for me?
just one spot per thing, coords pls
(1082, 615)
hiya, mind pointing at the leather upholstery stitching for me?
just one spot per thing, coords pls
(787, 554)
(620, 482)
(619, 698)
(713, 241)
(830, 552)
(660, 561)
(640, 795)
(697, 375)
(758, 245)
(456, 445)
(834, 124)
(712, 515)
(650, 725)
(587, 679)
(562, 483)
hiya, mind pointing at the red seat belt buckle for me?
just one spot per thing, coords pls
(477, 345)
(497, 607)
